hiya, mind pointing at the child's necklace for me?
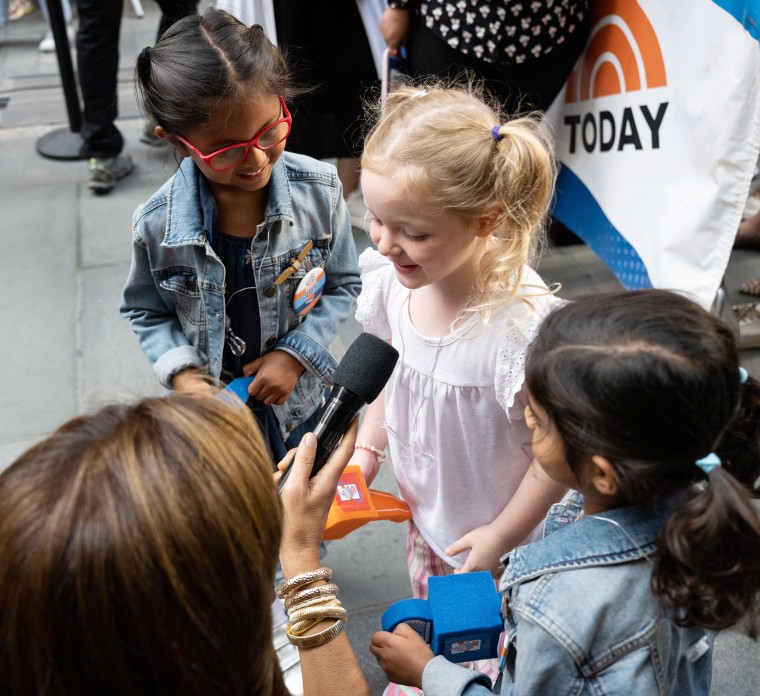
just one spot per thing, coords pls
(414, 435)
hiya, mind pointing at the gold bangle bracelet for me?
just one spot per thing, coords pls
(331, 601)
(319, 591)
(313, 602)
(317, 639)
(301, 580)
(300, 627)
(320, 612)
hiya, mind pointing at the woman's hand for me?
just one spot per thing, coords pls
(276, 376)
(306, 501)
(486, 549)
(402, 655)
(394, 26)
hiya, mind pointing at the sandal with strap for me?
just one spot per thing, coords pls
(751, 287)
(749, 325)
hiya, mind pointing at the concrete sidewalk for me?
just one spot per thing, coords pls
(66, 255)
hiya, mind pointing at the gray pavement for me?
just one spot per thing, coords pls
(66, 255)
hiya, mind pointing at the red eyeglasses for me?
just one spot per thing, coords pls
(232, 155)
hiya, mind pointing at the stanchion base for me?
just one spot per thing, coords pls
(61, 144)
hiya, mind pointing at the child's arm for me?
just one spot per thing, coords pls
(406, 659)
(527, 508)
(157, 326)
(372, 434)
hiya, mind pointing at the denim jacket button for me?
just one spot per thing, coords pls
(270, 291)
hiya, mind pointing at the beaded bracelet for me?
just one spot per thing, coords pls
(379, 454)
(317, 639)
(301, 580)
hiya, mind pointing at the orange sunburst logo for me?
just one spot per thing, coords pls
(622, 54)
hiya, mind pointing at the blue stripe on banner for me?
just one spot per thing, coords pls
(577, 209)
(746, 12)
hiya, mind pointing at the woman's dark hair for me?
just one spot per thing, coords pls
(137, 555)
(650, 380)
(203, 60)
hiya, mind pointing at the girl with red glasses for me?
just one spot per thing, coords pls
(243, 264)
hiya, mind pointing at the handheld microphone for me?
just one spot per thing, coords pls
(358, 380)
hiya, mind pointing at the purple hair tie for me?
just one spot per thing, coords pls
(495, 134)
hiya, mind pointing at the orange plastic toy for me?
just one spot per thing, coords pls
(355, 504)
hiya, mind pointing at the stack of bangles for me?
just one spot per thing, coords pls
(308, 606)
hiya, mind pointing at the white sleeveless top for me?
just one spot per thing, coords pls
(453, 409)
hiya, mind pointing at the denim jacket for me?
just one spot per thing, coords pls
(174, 294)
(582, 619)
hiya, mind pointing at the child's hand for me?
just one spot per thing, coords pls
(367, 462)
(193, 381)
(276, 376)
(401, 654)
(486, 549)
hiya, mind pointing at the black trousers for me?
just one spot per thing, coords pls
(98, 65)
(327, 50)
(172, 10)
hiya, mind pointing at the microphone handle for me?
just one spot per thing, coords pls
(341, 408)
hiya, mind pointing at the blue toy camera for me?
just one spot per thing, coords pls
(461, 619)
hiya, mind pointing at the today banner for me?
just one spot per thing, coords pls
(658, 132)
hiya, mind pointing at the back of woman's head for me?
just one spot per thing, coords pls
(651, 381)
(203, 60)
(451, 150)
(137, 555)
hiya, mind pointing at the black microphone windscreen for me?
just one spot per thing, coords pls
(366, 366)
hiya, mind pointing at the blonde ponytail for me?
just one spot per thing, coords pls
(439, 144)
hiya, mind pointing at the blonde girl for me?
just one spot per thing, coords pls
(457, 198)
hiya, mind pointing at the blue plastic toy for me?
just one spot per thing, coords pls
(236, 392)
(461, 619)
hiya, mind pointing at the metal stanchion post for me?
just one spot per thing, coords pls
(63, 143)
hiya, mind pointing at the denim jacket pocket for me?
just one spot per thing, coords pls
(180, 287)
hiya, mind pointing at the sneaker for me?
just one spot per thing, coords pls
(104, 173)
(47, 45)
(290, 661)
(748, 316)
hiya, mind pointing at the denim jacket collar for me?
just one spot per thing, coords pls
(183, 228)
(590, 541)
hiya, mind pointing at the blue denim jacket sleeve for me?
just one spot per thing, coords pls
(156, 325)
(444, 678)
(310, 340)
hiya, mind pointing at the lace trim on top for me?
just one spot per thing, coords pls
(371, 308)
(524, 321)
